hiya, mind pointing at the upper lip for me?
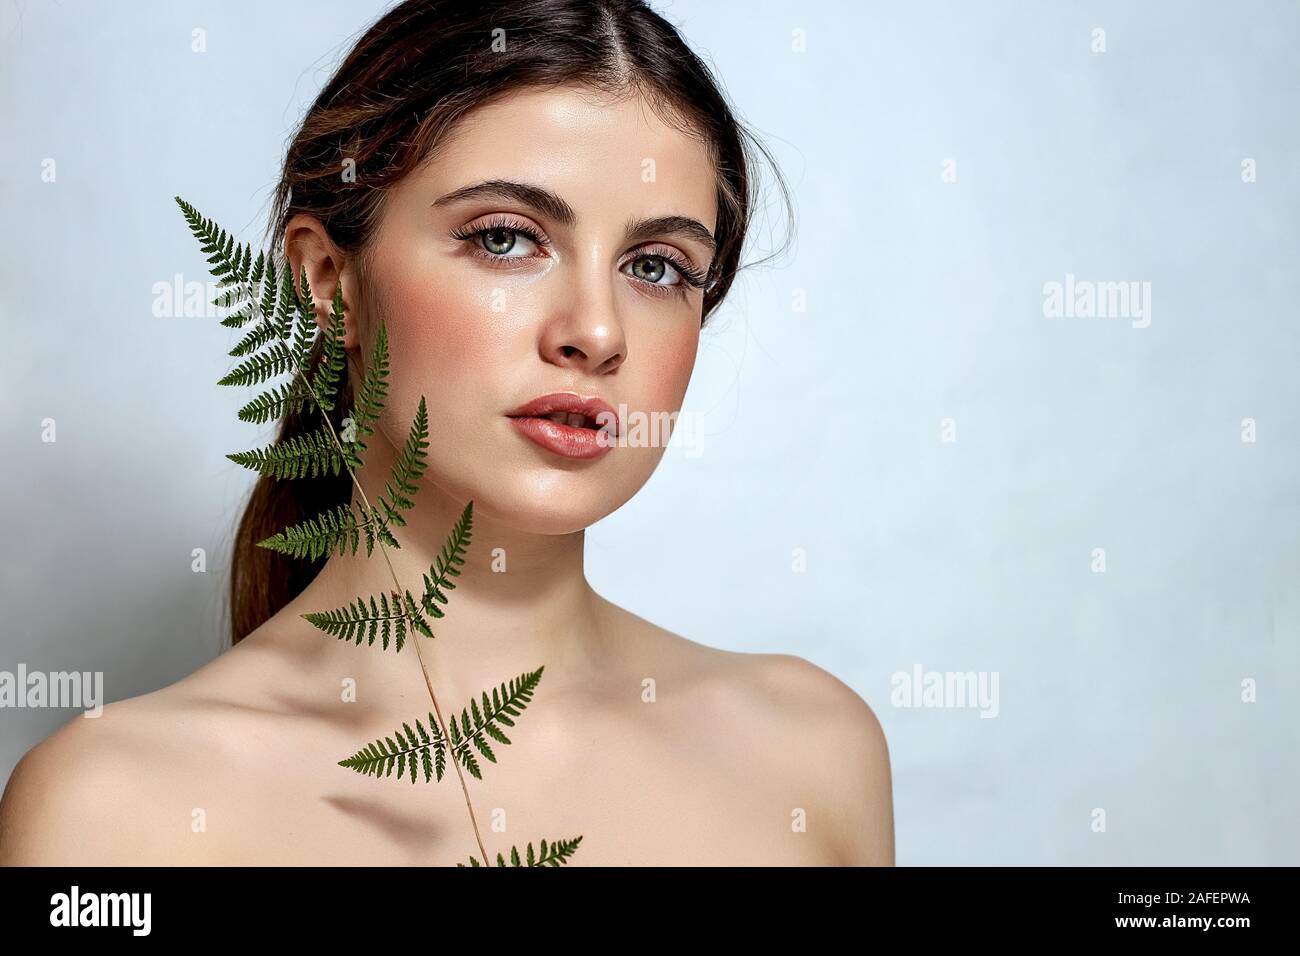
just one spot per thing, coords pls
(589, 405)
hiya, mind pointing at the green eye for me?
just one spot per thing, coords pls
(654, 273)
(503, 238)
(500, 237)
(650, 267)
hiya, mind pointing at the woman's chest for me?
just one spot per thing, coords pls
(630, 797)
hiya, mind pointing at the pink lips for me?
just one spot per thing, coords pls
(571, 441)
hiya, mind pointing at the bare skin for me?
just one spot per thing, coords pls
(656, 749)
(715, 771)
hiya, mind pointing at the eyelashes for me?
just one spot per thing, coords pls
(504, 230)
(499, 225)
(690, 275)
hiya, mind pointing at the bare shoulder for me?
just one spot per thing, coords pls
(95, 792)
(78, 797)
(831, 739)
(804, 729)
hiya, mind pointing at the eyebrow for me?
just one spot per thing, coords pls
(553, 207)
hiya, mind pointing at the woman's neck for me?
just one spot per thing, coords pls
(520, 602)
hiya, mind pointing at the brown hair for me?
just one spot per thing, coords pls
(399, 91)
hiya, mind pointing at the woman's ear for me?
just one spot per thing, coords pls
(307, 246)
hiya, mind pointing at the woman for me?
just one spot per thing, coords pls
(536, 199)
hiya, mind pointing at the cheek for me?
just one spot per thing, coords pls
(445, 338)
(666, 365)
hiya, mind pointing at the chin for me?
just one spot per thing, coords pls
(535, 497)
(561, 505)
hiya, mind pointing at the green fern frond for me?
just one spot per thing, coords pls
(229, 262)
(305, 328)
(271, 286)
(339, 529)
(329, 374)
(289, 397)
(259, 269)
(446, 566)
(556, 855)
(261, 333)
(381, 619)
(251, 306)
(507, 702)
(237, 320)
(239, 275)
(271, 336)
(299, 456)
(299, 392)
(234, 295)
(382, 757)
(370, 399)
(286, 307)
(276, 360)
(274, 307)
(282, 308)
(409, 467)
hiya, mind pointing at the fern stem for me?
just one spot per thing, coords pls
(460, 775)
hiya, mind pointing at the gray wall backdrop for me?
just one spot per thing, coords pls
(958, 453)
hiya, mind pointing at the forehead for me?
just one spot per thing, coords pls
(608, 158)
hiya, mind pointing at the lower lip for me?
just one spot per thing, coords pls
(563, 439)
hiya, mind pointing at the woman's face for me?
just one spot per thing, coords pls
(493, 298)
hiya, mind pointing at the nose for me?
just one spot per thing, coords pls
(584, 331)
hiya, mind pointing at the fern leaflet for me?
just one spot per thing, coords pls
(557, 855)
(339, 529)
(382, 757)
(381, 619)
(446, 567)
